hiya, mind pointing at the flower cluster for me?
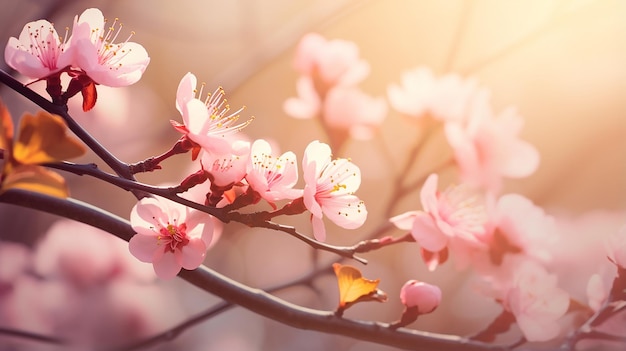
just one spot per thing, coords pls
(93, 54)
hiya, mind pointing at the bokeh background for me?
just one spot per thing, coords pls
(561, 63)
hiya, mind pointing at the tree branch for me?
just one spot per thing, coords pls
(255, 300)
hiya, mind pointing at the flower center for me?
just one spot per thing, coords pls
(173, 237)
(221, 121)
(44, 45)
(110, 54)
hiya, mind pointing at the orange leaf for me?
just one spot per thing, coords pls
(35, 178)
(354, 288)
(90, 95)
(43, 138)
(6, 130)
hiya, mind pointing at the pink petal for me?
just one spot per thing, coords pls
(428, 194)
(346, 211)
(185, 92)
(319, 231)
(427, 234)
(193, 254)
(404, 221)
(167, 266)
(307, 104)
(143, 247)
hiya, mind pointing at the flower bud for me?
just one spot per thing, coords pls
(424, 296)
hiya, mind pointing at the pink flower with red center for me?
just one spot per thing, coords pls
(95, 51)
(208, 123)
(38, 52)
(487, 147)
(169, 235)
(273, 177)
(329, 190)
(229, 168)
(455, 216)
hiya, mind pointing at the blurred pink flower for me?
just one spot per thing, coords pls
(323, 65)
(39, 51)
(487, 147)
(421, 94)
(15, 259)
(329, 188)
(169, 235)
(350, 109)
(536, 301)
(597, 292)
(330, 62)
(93, 50)
(273, 177)
(517, 226)
(426, 297)
(454, 215)
(91, 258)
(209, 122)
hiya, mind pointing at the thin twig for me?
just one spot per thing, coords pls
(32, 336)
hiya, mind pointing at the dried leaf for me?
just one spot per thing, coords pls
(6, 129)
(354, 288)
(35, 178)
(43, 138)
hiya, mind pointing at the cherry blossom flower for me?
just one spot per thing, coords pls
(271, 176)
(421, 94)
(228, 168)
(536, 301)
(329, 188)
(38, 52)
(169, 235)
(323, 65)
(487, 147)
(426, 297)
(453, 215)
(517, 226)
(330, 62)
(94, 51)
(350, 109)
(209, 123)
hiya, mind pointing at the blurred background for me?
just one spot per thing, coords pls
(561, 63)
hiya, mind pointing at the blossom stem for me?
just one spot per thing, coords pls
(153, 163)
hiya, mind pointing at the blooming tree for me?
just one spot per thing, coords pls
(507, 245)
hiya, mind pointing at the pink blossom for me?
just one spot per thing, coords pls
(39, 52)
(208, 122)
(422, 94)
(93, 258)
(454, 215)
(332, 62)
(350, 109)
(426, 297)
(597, 292)
(228, 168)
(517, 226)
(487, 147)
(324, 65)
(169, 235)
(94, 51)
(536, 301)
(271, 176)
(329, 188)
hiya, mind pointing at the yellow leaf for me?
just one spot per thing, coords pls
(35, 178)
(354, 288)
(43, 138)
(6, 130)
